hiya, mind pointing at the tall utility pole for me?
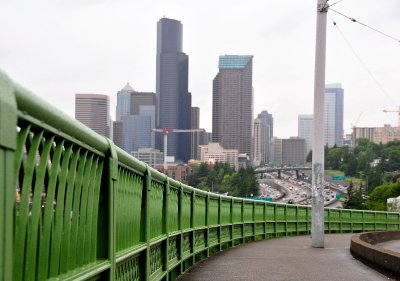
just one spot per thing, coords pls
(317, 227)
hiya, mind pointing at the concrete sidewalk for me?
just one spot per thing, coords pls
(290, 258)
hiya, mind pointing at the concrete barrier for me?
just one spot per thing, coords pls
(364, 246)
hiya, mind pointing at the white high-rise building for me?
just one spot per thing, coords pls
(333, 116)
(261, 145)
(305, 130)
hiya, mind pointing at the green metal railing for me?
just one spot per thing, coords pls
(73, 206)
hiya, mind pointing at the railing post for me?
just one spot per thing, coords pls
(180, 227)
(166, 223)
(275, 222)
(193, 224)
(232, 227)
(219, 224)
(112, 192)
(297, 220)
(147, 190)
(265, 219)
(254, 220)
(242, 220)
(286, 220)
(208, 224)
(8, 143)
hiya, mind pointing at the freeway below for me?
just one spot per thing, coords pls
(289, 189)
(271, 170)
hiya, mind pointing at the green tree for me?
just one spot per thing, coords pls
(334, 158)
(378, 197)
(354, 200)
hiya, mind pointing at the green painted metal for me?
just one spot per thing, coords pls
(86, 210)
(8, 143)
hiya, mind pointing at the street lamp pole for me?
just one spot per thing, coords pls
(317, 227)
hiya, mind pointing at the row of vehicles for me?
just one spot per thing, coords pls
(297, 191)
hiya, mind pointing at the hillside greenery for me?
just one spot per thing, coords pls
(222, 178)
(377, 166)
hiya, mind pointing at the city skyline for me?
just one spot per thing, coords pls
(83, 48)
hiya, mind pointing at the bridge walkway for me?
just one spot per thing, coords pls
(286, 259)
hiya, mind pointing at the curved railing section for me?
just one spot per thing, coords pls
(73, 206)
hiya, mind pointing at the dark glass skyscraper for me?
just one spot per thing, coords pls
(267, 119)
(174, 100)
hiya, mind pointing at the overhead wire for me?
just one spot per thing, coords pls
(361, 61)
(335, 3)
(365, 25)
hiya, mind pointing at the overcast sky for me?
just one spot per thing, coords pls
(59, 48)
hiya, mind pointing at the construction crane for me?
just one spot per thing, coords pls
(398, 111)
(166, 132)
(355, 123)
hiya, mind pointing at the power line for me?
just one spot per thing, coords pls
(361, 61)
(363, 24)
(335, 3)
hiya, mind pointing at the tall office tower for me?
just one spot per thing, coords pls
(137, 129)
(261, 146)
(124, 102)
(267, 119)
(305, 130)
(137, 126)
(289, 151)
(232, 119)
(174, 100)
(93, 110)
(333, 116)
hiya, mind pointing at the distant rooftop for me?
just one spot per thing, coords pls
(233, 62)
(128, 88)
(333, 85)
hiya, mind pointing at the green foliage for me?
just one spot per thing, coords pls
(354, 200)
(357, 161)
(222, 178)
(380, 194)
